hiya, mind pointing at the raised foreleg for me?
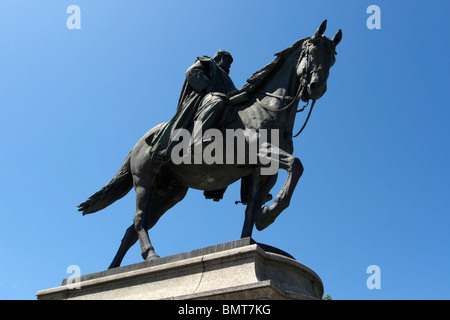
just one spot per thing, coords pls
(294, 168)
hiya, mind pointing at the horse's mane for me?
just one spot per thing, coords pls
(259, 77)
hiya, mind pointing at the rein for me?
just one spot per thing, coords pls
(289, 106)
(307, 118)
(297, 96)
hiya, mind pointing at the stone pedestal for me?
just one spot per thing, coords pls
(238, 270)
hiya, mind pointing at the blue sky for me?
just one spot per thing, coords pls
(375, 151)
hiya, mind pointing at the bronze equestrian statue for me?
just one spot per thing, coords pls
(267, 103)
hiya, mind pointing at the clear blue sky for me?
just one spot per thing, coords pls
(376, 151)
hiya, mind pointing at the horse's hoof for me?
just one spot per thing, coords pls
(152, 256)
(262, 220)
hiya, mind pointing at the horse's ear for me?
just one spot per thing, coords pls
(321, 30)
(338, 37)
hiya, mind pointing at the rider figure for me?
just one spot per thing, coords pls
(203, 98)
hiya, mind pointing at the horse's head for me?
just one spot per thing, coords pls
(316, 58)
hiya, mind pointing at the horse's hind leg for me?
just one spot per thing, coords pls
(165, 196)
(166, 200)
(144, 193)
(129, 239)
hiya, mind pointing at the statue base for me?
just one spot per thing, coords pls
(236, 270)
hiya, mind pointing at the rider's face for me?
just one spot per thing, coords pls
(224, 62)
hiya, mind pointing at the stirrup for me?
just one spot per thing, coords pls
(244, 200)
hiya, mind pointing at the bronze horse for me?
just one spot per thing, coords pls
(269, 101)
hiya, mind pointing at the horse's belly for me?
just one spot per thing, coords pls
(207, 177)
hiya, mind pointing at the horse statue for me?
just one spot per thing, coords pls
(268, 101)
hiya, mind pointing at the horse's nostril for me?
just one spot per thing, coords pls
(314, 85)
(315, 90)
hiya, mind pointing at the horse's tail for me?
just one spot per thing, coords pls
(117, 188)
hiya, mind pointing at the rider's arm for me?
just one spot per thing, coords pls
(196, 76)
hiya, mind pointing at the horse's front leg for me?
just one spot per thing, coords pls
(254, 203)
(258, 187)
(294, 168)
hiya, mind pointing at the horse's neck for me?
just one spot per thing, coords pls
(283, 83)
